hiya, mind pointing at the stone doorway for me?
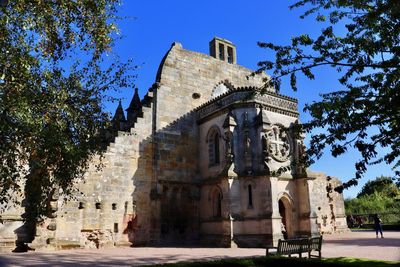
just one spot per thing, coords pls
(285, 211)
(178, 212)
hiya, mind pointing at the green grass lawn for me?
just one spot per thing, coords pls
(283, 261)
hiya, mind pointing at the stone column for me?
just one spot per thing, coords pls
(303, 204)
(276, 218)
(234, 206)
(314, 231)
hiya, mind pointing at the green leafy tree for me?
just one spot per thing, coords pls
(54, 78)
(362, 43)
(388, 207)
(380, 196)
(382, 184)
(368, 204)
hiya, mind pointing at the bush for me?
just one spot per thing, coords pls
(388, 207)
(374, 203)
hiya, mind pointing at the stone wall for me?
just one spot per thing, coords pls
(112, 205)
(185, 80)
(11, 229)
(183, 73)
(327, 206)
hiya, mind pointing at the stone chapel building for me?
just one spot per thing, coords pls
(195, 162)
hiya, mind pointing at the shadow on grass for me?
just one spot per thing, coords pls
(283, 262)
(90, 259)
(86, 259)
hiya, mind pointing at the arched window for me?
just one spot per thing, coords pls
(216, 149)
(250, 192)
(217, 203)
(214, 154)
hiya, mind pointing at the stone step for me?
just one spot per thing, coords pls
(65, 244)
(149, 94)
(148, 99)
(147, 112)
(7, 245)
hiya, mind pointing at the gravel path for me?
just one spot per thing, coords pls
(361, 244)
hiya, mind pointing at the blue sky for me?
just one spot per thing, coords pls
(150, 27)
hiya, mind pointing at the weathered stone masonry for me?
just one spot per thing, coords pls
(193, 162)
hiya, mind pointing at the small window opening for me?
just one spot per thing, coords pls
(213, 148)
(230, 55)
(126, 207)
(115, 227)
(250, 191)
(98, 205)
(216, 149)
(219, 208)
(217, 204)
(196, 95)
(114, 206)
(81, 205)
(221, 50)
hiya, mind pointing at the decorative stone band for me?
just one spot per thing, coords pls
(260, 217)
(11, 217)
(278, 102)
(269, 101)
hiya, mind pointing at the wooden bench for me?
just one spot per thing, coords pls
(314, 245)
(297, 246)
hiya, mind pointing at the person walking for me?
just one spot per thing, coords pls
(378, 225)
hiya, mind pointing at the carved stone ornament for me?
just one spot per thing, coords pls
(265, 150)
(229, 156)
(279, 144)
(229, 149)
(229, 126)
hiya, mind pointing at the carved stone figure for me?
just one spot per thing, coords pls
(300, 157)
(265, 150)
(246, 119)
(247, 144)
(247, 156)
(229, 148)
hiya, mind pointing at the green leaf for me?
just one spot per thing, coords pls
(366, 53)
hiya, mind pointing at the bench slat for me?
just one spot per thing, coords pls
(297, 246)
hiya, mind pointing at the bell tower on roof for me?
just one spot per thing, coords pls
(223, 49)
